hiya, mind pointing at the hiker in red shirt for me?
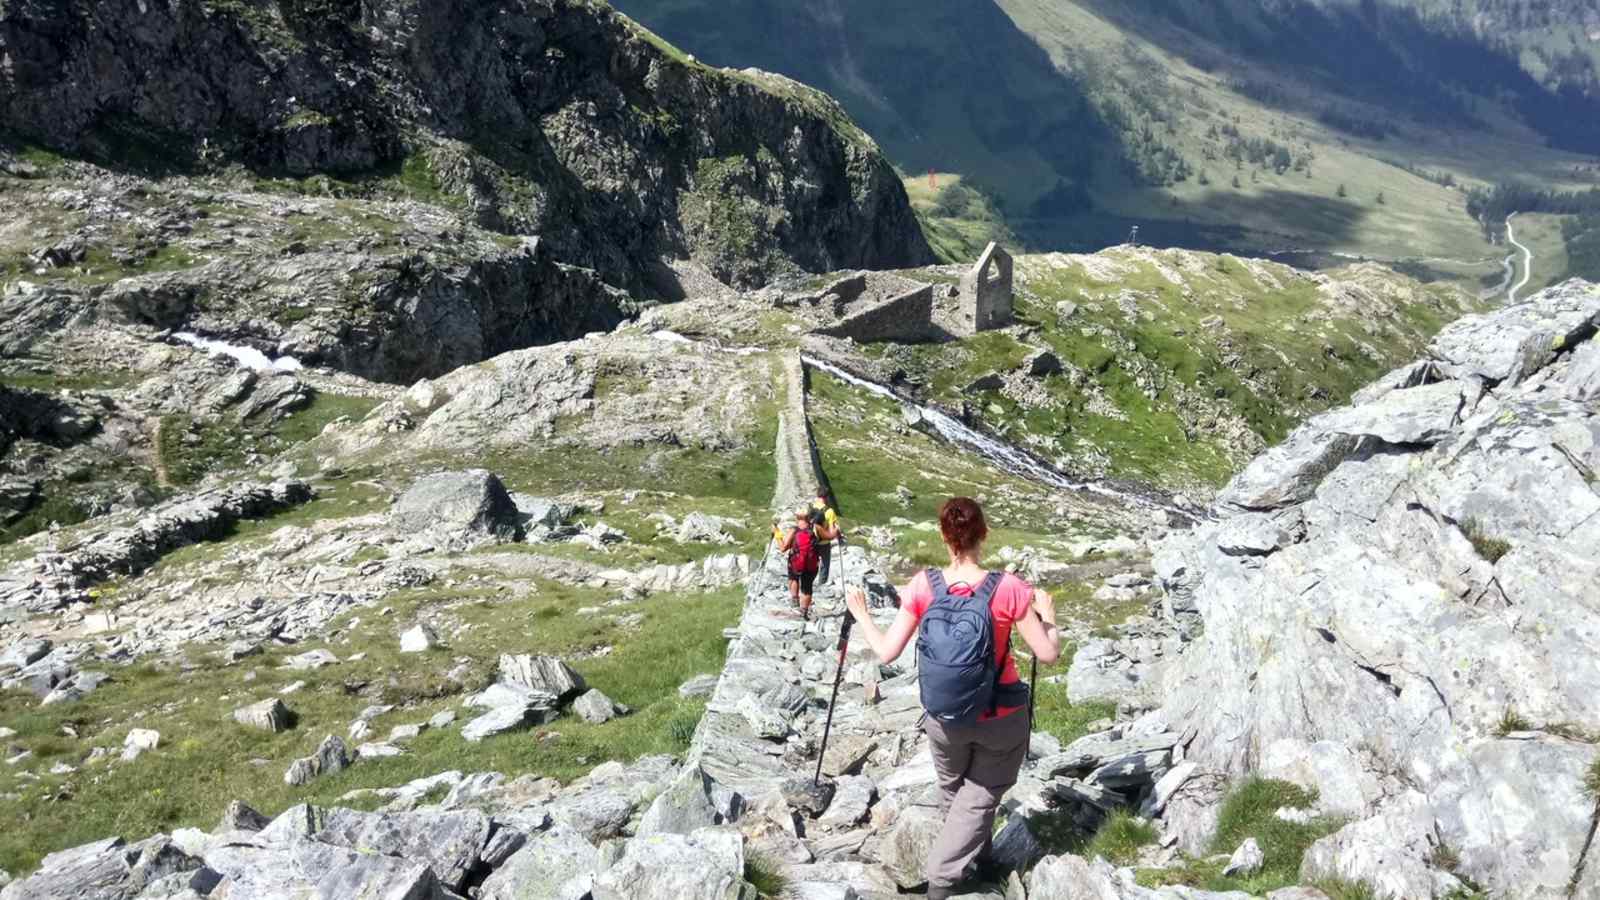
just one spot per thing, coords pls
(974, 700)
(805, 558)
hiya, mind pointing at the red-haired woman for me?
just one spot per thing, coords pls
(976, 761)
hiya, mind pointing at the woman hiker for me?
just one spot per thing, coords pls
(975, 704)
(800, 542)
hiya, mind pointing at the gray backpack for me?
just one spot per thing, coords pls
(956, 669)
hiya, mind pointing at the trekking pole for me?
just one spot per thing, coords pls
(1033, 688)
(838, 675)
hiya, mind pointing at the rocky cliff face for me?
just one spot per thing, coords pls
(1401, 605)
(551, 117)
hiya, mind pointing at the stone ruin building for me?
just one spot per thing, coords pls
(984, 302)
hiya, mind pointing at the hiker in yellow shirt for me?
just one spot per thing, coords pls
(826, 523)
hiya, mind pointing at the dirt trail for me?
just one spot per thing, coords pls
(1527, 262)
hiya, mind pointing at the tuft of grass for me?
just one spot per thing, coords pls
(1486, 546)
(1338, 889)
(1591, 779)
(1058, 717)
(765, 876)
(1249, 811)
(1445, 858)
(1120, 837)
(1511, 721)
(681, 727)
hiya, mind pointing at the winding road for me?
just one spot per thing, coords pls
(1527, 262)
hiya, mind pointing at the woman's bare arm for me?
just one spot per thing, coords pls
(1038, 628)
(888, 645)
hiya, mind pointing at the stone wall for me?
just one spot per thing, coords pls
(799, 470)
(906, 317)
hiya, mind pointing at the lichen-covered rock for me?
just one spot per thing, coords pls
(1440, 570)
(555, 864)
(457, 508)
(448, 843)
(267, 715)
(307, 868)
(109, 869)
(707, 863)
(331, 756)
(690, 803)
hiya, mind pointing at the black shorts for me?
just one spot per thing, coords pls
(806, 579)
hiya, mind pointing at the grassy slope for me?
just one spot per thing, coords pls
(958, 220)
(1272, 363)
(205, 760)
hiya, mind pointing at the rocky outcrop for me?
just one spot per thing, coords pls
(54, 579)
(551, 117)
(1400, 610)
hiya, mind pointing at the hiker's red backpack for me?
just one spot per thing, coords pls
(803, 557)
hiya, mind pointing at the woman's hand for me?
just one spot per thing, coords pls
(1045, 606)
(856, 600)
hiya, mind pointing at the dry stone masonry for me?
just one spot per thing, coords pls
(985, 300)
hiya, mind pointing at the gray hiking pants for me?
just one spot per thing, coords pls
(976, 765)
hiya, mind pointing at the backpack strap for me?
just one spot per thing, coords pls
(988, 586)
(985, 593)
(936, 584)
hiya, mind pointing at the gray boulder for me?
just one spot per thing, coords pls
(109, 869)
(595, 707)
(241, 817)
(698, 686)
(267, 715)
(331, 756)
(306, 868)
(311, 659)
(544, 674)
(708, 863)
(22, 653)
(1583, 378)
(418, 638)
(1389, 853)
(1431, 580)
(448, 843)
(1247, 859)
(688, 804)
(1418, 415)
(554, 864)
(905, 849)
(504, 718)
(598, 814)
(1514, 343)
(457, 508)
(541, 511)
(697, 527)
